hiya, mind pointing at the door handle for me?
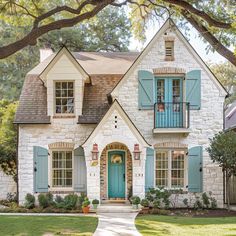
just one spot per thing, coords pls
(124, 176)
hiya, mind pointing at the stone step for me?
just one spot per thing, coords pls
(114, 208)
(116, 202)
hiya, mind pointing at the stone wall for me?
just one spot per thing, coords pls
(204, 123)
(7, 185)
(103, 169)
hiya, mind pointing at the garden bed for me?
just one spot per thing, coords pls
(190, 212)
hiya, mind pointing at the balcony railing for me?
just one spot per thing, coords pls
(171, 115)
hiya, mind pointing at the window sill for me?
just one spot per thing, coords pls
(184, 131)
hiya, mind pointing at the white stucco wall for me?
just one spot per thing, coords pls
(7, 185)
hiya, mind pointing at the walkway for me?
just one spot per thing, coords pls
(116, 224)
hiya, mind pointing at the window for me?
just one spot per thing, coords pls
(169, 50)
(62, 170)
(64, 96)
(170, 169)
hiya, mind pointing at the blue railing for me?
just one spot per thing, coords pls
(171, 115)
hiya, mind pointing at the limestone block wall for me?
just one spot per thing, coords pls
(204, 123)
(61, 130)
(7, 185)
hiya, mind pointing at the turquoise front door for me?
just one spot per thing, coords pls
(116, 174)
(169, 98)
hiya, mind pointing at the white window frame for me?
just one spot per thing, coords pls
(54, 98)
(169, 150)
(51, 170)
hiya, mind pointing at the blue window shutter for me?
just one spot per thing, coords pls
(145, 89)
(195, 169)
(193, 89)
(40, 169)
(80, 173)
(149, 169)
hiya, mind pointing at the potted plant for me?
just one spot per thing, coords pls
(135, 201)
(95, 203)
(145, 204)
(85, 206)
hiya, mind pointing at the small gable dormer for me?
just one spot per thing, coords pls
(64, 79)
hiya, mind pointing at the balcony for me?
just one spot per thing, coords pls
(171, 117)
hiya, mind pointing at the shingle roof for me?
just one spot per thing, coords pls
(105, 70)
(95, 103)
(33, 102)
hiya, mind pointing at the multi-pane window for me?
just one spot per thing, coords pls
(64, 96)
(160, 95)
(169, 50)
(62, 170)
(176, 94)
(162, 169)
(170, 169)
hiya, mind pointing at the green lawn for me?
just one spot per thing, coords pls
(185, 226)
(47, 225)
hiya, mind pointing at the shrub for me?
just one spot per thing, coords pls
(70, 201)
(49, 197)
(213, 203)
(205, 200)
(135, 200)
(145, 202)
(185, 202)
(95, 202)
(43, 200)
(156, 203)
(29, 201)
(58, 199)
(11, 197)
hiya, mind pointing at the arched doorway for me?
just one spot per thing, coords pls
(115, 172)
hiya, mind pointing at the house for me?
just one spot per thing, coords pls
(115, 124)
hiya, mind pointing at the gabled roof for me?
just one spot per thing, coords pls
(116, 106)
(169, 23)
(63, 51)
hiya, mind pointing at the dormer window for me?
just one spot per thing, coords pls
(64, 97)
(169, 50)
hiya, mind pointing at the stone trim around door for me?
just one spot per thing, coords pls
(104, 169)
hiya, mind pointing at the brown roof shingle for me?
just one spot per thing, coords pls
(33, 102)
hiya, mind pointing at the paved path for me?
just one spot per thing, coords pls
(116, 224)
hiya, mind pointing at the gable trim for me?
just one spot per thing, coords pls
(63, 50)
(189, 47)
(116, 105)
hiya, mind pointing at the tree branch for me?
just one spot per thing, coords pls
(209, 37)
(35, 33)
(211, 21)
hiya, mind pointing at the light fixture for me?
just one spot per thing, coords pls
(95, 152)
(136, 152)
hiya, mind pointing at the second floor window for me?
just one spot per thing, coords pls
(64, 97)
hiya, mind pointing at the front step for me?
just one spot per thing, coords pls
(116, 202)
(114, 208)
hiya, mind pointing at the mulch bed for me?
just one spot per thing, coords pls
(191, 212)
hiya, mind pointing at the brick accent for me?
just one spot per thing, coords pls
(170, 145)
(103, 168)
(169, 70)
(59, 145)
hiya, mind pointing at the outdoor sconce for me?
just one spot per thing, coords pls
(95, 152)
(136, 152)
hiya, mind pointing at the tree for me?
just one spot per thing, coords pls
(222, 150)
(8, 138)
(214, 20)
(226, 74)
(109, 31)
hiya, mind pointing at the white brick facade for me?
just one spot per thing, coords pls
(204, 123)
(7, 185)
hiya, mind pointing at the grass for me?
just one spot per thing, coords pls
(185, 226)
(47, 225)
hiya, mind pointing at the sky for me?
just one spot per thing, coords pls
(195, 41)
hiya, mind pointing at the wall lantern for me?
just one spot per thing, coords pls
(95, 152)
(136, 152)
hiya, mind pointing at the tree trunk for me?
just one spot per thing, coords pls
(228, 190)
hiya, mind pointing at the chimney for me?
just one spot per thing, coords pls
(45, 53)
